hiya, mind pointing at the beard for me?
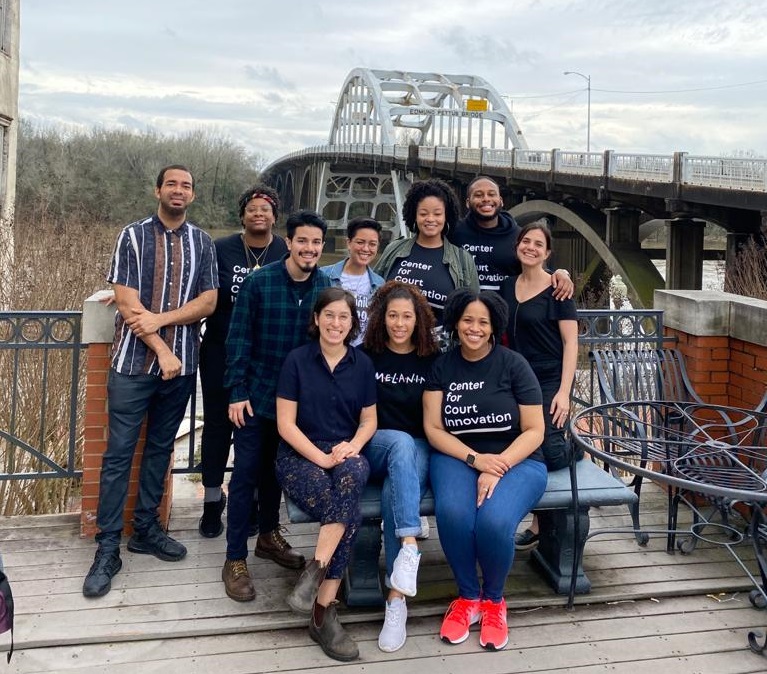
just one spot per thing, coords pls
(482, 217)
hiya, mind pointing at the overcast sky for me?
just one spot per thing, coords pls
(666, 75)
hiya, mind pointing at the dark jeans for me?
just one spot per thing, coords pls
(217, 429)
(328, 495)
(556, 445)
(255, 448)
(131, 397)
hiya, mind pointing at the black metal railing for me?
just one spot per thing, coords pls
(629, 330)
(39, 395)
(42, 392)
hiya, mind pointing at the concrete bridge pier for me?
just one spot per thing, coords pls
(684, 254)
(622, 230)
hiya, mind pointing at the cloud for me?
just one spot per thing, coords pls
(267, 75)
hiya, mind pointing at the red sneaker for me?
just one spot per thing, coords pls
(461, 614)
(494, 631)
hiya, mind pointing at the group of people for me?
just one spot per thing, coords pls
(327, 378)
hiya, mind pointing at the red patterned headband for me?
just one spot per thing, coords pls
(265, 197)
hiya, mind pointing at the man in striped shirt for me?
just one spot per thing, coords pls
(165, 281)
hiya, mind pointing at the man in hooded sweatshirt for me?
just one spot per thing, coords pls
(490, 234)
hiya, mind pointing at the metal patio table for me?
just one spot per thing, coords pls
(715, 451)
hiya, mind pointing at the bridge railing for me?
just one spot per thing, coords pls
(719, 172)
(650, 167)
(738, 174)
(582, 163)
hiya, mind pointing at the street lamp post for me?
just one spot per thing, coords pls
(588, 105)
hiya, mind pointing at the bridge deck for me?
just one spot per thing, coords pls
(176, 618)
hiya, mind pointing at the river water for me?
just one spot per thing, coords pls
(713, 278)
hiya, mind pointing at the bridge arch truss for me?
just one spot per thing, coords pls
(389, 107)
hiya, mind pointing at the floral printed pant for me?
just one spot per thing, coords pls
(328, 495)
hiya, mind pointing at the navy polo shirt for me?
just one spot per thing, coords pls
(329, 403)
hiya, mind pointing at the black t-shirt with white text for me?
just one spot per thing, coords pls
(400, 379)
(481, 399)
(425, 269)
(233, 267)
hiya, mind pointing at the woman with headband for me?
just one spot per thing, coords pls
(238, 255)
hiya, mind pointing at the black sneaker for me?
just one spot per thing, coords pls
(156, 542)
(105, 566)
(211, 525)
(527, 540)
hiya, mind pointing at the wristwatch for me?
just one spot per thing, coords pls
(470, 457)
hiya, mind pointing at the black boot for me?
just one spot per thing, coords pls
(332, 637)
(211, 525)
(304, 593)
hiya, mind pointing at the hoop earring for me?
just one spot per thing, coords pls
(492, 339)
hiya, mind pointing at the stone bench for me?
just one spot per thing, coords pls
(554, 555)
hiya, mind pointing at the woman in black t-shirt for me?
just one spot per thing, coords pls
(428, 260)
(401, 345)
(237, 256)
(545, 331)
(483, 413)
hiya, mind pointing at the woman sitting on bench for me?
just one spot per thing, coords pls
(401, 344)
(326, 413)
(483, 413)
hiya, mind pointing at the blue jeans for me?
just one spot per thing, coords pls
(484, 535)
(402, 463)
(255, 449)
(131, 397)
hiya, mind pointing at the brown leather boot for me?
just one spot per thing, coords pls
(237, 580)
(332, 637)
(304, 593)
(273, 546)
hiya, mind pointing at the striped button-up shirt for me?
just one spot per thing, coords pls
(168, 268)
(270, 319)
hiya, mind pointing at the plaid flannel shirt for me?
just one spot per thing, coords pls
(269, 320)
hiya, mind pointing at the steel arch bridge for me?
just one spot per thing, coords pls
(390, 127)
(389, 108)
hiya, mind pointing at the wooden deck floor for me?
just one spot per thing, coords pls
(647, 610)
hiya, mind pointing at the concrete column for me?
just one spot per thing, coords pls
(684, 254)
(622, 228)
(97, 332)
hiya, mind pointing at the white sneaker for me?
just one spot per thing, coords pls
(424, 529)
(404, 575)
(393, 632)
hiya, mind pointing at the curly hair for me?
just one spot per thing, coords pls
(263, 191)
(328, 296)
(459, 299)
(376, 335)
(434, 187)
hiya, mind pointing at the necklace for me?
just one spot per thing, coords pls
(250, 256)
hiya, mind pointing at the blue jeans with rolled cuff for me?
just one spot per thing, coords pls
(401, 462)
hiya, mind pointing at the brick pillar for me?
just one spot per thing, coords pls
(723, 341)
(98, 332)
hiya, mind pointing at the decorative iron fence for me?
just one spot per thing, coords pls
(39, 397)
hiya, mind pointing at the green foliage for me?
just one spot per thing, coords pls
(108, 175)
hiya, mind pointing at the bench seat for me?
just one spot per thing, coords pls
(554, 555)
